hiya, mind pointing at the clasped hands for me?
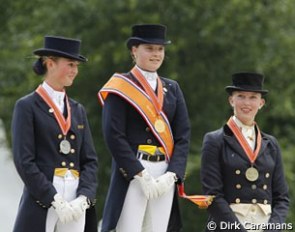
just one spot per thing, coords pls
(154, 188)
(69, 211)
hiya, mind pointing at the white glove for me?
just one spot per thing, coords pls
(165, 182)
(148, 184)
(79, 205)
(63, 209)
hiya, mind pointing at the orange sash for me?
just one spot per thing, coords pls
(203, 201)
(243, 142)
(64, 124)
(143, 103)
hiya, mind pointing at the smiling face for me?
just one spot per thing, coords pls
(246, 105)
(148, 57)
(61, 72)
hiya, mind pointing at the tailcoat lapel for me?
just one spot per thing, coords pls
(42, 105)
(232, 142)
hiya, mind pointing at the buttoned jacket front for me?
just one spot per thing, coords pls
(124, 129)
(223, 168)
(36, 153)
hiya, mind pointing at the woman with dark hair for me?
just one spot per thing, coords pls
(52, 146)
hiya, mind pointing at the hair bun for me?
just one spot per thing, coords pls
(38, 67)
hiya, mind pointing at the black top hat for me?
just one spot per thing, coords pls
(246, 81)
(148, 34)
(61, 47)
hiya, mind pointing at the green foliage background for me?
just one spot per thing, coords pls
(211, 40)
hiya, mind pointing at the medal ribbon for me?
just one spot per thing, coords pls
(63, 123)
(243, 142)
(203, 201)
(157, 100)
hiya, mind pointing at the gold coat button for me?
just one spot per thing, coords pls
(63, 163)
(238, 172)
(238, 200)
(254, 201)
(72, 137)
(265, 202)
(267, 175)
(264, 187)
(149, 141)
(59, 136)
(238, 186)
(72, 151)
(147, 129)
(253, 186)
(72, 164)
(51, 110)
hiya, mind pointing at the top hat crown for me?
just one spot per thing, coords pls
(61, 47)
(247, 81)
(148, 34)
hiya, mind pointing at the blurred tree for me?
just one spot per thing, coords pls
(210, 40)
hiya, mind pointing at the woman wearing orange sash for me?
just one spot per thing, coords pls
(52, 147)
(242, 166)
(146, 128)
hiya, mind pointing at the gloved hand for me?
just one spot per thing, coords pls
(148, 184)
(79, 205)
(62, 208)
(165, 182)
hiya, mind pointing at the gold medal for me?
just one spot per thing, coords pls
(159, 126)
(65, 147)
(252, 174)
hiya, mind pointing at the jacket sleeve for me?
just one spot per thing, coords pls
(181, 130)
(88, 162)
(114, 118)
(211, 178)
(24, 154)
(280, 197)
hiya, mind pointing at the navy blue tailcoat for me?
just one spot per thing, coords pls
(35, 139)
(223, 168)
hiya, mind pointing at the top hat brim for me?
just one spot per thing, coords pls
(53, 52)
(137, 40)
(230, 89)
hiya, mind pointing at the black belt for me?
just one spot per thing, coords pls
(152, 158)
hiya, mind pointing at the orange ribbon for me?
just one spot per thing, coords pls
(202, 201)
(243, 142)
(157, 100)
(64, 124)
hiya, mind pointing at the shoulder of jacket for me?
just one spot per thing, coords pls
(27, 99)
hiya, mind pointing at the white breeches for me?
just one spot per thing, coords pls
(142, 215)
(67, 187)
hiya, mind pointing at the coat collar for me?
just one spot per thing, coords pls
(231, 140)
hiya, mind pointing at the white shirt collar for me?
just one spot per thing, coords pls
(149, 76)
(241, 125)
(56, 96)
(247, 131)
